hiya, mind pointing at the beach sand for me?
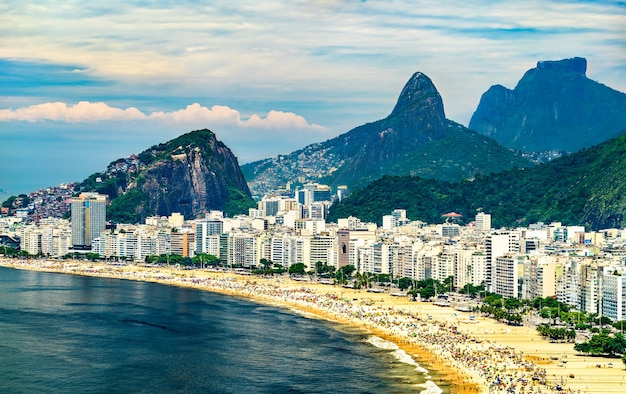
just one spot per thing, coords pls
(470, 355)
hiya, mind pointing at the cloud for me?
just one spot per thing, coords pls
(81, 112)
(318, 54)
(194, 114)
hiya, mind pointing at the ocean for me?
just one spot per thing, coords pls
(64, 333)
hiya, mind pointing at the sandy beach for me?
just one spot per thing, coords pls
(472, 355)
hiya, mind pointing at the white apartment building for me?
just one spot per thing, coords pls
(243, 250)
(207, 236)
(297, 249)
(539, 277)
(483, 222)
(496, 245)
(591, 288)
(479, 268)
(569, 284)
(506, 278)
(323, 248)
(50, 238)
(613, 292)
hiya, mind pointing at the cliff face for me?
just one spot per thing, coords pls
(553, 107)
(415, 139)
(192, 181)
(192, 174)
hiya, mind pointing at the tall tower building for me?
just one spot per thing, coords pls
(207, 236)
(497, 245)
(483, 221)
(88, 218)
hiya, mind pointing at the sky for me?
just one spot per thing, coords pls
(85, 83)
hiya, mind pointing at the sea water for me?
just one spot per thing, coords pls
(65, 333)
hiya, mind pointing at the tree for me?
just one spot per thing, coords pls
(549, 313)
(494, 300)
(405, 283)
(92, 256)
(616, 345)
(427, 292)
(511, 303)
(344, 273)
(514, 319)
(364, 280)
(297, 269)
(278, 269)
(471, 290)
(323, 268)
(266, 264)
(204, 259)
(347, 269)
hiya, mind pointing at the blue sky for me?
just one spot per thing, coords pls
(84, 83)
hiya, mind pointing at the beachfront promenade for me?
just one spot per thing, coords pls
(474, 355)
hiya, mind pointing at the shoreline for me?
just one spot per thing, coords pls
(469, 356)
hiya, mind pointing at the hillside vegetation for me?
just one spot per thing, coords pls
(585, 188)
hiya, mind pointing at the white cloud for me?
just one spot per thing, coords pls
(83, 111)
(327, 51)
(193, 115)
(281, 120)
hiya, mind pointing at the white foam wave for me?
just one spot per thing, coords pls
(398, 353)
(381, 343)
(403, 357)
(431, 388)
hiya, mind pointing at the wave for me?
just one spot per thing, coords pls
(403, 357)
(398, 353)
(431, 388)
(381, 343)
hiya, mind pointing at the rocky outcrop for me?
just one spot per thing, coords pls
(553, 107)
(192, 181)
(192, 174)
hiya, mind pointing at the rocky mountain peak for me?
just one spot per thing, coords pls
(419, 94)
(414, 139)
(577, 65)
(554, 107)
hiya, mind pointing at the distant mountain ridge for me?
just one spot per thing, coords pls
(553, 107)
(583, 188)
(415, 139)
(191, 174)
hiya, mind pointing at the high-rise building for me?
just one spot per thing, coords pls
(206, 230)
(539, 277)
(497, 245)
(613, 291)
(483, 221)
(506, 275)
(342, 192)
(88, 218)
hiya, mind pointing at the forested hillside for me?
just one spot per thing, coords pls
(586, 188)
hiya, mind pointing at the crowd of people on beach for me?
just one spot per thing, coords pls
(502, 369)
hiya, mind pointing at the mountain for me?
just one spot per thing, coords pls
(191, 174)
(553, 107)
(583, 188)
(415, 139)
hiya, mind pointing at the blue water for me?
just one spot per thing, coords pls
(65, 333)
